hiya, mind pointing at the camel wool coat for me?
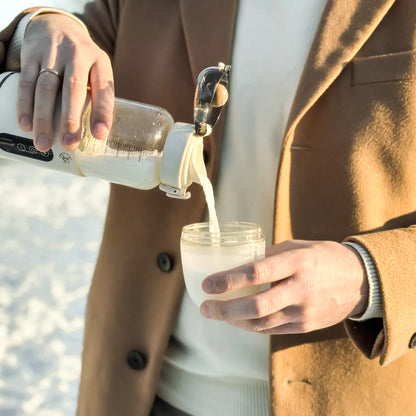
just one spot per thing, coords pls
(347, 172)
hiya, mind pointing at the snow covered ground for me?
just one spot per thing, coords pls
(50, 230)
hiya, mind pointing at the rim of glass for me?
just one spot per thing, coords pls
(231, 233)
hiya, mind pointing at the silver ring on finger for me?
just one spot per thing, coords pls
(50, 71)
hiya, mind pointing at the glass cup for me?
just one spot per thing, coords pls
(204, 253)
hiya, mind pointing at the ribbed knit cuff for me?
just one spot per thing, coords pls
(375, 305)
(16, 42)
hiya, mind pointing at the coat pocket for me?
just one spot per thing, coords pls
(399, 66)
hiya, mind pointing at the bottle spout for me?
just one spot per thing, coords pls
(211, 95)
(182, 160)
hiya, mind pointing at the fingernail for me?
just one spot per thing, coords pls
(205, 311)
(208, 285)
(100, 129)
(69, 139)
(42, 141)
(25, 122)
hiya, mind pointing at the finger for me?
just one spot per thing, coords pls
(296, 327)
(255, 306)
(102, 95)
(286, 329)
(25, 95)
(283, 246)
(47, 87)
(74, 94)
(273, 321)
(267, 270)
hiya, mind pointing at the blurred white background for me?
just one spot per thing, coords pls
(9, 11)
(50, 230)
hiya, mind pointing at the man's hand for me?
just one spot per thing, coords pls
(60, 43)
(315, 284)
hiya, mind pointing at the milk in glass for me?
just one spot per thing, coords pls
(207, 248)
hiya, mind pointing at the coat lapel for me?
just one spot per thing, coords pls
(345, 26)
(208, 30)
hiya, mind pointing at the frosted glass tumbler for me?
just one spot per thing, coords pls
(204, 253)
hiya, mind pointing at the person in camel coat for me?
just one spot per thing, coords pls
(338, 319)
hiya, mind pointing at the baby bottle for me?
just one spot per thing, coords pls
(144, 149)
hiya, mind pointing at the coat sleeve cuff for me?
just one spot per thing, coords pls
(393, 254)
(16, 42)
(375, 303)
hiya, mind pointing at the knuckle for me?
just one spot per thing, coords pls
(28, 55)
(304, 283)
(306, 316)
(42, 120)
(24, 103)
(306, 260)
(287, 244)
(75, 83)
(47, 86)
(105, 109)
(255, 326)
(308, 289)
(70, 124)
(304, 313)
(261, 306)
(259, 325)
(103, 56)
(306, 327)
(26, 84)
(260, 272)
(226, 284)
(222, 313)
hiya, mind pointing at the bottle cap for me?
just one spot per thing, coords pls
(176, 171)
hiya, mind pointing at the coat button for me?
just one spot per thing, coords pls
(136, 360)
(164, 262)
(412, 343)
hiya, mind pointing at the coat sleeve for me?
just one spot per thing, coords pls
(394, 255)
(102, 17)
(6, 35)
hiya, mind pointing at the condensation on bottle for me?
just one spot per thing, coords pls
(133, 151)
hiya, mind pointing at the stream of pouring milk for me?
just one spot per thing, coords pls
(201, 260)
(209, 197)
